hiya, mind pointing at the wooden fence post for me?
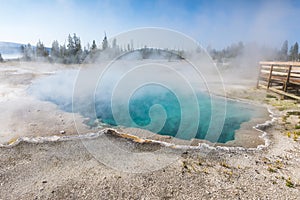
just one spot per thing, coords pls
(287, 78)
(270, 76)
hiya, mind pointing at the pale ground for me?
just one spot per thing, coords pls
(67, 170)
(24, 115)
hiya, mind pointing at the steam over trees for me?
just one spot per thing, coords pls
(294, 54)
(72, 52)
(114, 43)
(234, 50)
(28, 52)
(291, 55)
(41, 50)
(58, 53)
(283, 53)
(231, 51)
(104, 43)
(55, 51)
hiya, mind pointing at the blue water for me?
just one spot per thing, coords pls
(233, 114)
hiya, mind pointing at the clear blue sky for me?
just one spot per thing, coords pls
(214, 22)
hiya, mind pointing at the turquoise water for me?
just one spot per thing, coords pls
(170, 110)
(153, 107)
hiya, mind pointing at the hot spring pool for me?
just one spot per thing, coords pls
(157, 109)
(147, 97)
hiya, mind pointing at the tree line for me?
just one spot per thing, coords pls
(231, 51)
(73, 53)
(69, 53)
(289, 55)
(283, 54)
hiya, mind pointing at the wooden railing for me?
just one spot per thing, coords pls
(280, 77)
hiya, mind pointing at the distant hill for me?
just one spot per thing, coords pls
(10, 48)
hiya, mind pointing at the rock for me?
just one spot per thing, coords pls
(62, 132)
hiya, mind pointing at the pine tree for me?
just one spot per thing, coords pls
(283, 55)
(55, 51)
(41, 50)
(93, 51)
(63, 53)
(77, 50)
(28, 52)
(291, 53)
(1, 59)
(104, 43)
(294, 51)
(94, 46)
(74, 51)
(77, 44)
(70, 45)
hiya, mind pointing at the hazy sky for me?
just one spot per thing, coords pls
(215, 22)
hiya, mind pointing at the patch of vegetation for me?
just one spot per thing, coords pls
(284, 118)
(271, 96)
(228, 172)
(188, 167)
(224, 164)
(297, 133)
(266, 160)
(295, 138)
(294, 113)
(185, 167)
(200, 161)
(271, 169)
(282, 105)
(193, 168)
(289, 183)
(297, 126)
(205, 170)
(278, 164)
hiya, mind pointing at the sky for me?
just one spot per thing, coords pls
(217, 23)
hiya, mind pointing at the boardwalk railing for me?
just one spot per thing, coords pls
(280, 77)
